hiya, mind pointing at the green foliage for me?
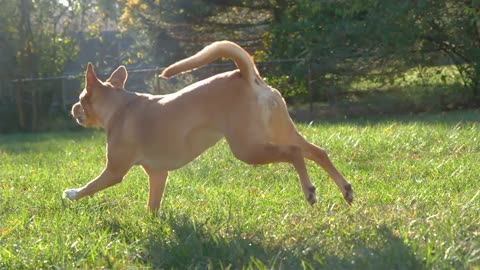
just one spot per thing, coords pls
(371, 34)
(287, 88)
(338, 44)
(441, 76)
(40, 40)
(177, 28)
(417, 204)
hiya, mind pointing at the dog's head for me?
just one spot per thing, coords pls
(88, 111)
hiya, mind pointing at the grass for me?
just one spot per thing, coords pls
(415, 179)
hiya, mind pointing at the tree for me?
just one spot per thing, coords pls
(176, 27)
(364, 35)
(40, 39)
(453, 27)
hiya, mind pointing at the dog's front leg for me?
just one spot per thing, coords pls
(157, 181)
(106, 179)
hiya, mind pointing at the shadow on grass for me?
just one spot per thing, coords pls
(389, 252)
(189, 245)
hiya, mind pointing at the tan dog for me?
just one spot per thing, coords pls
(163, 133)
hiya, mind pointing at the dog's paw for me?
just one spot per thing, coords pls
(311, 196)
(348, 194)
(71, 194)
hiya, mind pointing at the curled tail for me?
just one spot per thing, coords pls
(211, 53)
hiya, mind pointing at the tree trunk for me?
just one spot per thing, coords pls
(26, 59)
(19, 101)
(34, 110)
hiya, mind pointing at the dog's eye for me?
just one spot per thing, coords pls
(84, 99)
(85, 103)
(82, 102)
(84, 95)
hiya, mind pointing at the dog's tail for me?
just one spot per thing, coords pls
(211, 53)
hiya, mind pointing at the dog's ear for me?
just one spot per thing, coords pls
(118, 77)
(90, 78)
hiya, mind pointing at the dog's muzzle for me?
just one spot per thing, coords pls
(79, 113)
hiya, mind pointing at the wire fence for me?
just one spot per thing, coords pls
(27, 103)
(147, 70)
(37, 103)
(139, 79)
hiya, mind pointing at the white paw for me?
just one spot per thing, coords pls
(71, 194)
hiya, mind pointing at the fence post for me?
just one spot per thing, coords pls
(332, 96)
(19, 101)
(34, 109)
(309, 85)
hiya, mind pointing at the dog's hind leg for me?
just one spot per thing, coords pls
(319, 156)
(157, 181)
(264, 153)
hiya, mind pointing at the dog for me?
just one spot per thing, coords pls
(162, 133)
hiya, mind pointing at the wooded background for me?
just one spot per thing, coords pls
(424, 54)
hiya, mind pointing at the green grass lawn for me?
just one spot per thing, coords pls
(417, 205)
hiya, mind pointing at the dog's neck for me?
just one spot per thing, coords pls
(117, 100)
